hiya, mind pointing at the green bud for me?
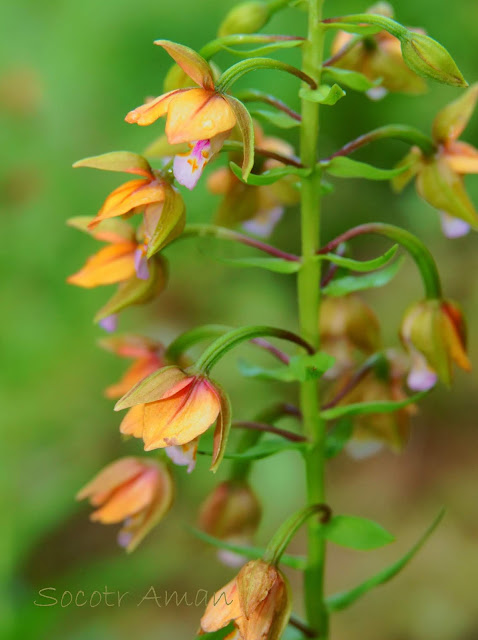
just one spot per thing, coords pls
(248, 17)
(429, 59)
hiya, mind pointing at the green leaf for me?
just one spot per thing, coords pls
(360, 265)
(220, 634)
(300, 368)
(344, 599)
(271, 176)
(323, 95)
(277, 265)
(352, 79)
(264, 49)
(246, 127)
(355, 533)
(295, 562)
(343, 167)
(264, 449)
(338, 437)
(310, 367)
(362, 408)
(348, 284)
(275, 118)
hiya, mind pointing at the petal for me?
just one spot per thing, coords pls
(131, 346)
(184, 455)
(129, 499)
(141, 263)
(133, 422)
(148, 113)
(264, 223)
(451, 121)
(190, 62)
(111, 477)
(132, 194)
(197, 114)
(112, 230)
(109, 323)
(462, 157)
(111, 264)
(188, 167)
(140, 369)
(181, 417)
(453, 227)
(421, 377)
(222, 608)
(118, 161)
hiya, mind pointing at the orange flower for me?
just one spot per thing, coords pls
(434, 333)
(257, 601)
(439, 177)
(200, 116)
(347, 325)
(172, 408)
(231, 512)
(257, 208)
(148, 356)
(133, 196)
(135, 491)
(379, 57)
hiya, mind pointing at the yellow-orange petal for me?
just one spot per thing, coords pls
(181, 417)
(130, 195)
(111, 264)
(128, 499)
(130, 345)
(110, 477)
(133, 422)
(150, 111)
(461, 157)
(139, 370)
(198, 114)
(223, 607)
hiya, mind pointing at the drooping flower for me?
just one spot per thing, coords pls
(135, 491)
(257, 208)
(347, 325)
(439, 176)
(133, 196)
(434, 333)
(172, 408)
(148, 356)
(200, 116)
(124, 262)
(379, 58)
(232, 512)
(257, 601)
(383, 383)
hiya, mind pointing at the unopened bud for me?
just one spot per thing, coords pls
(248, 17)
(428, 58)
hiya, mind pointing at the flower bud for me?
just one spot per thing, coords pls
(257, 601)
(231, 512)
(434, 333)
(451, 121)
(428, 58)
(347, 325)
(137, 491)
(248, 17)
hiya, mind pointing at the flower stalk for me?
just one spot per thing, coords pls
(309, 299)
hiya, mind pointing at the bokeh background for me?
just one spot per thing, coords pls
(69, 73)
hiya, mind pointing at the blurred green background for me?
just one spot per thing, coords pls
(70, 71)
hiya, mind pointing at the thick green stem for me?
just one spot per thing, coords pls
(308, 294)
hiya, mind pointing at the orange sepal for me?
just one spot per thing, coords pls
(132, 194)
(111, 264)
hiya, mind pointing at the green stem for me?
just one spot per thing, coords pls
(398, 132)
(309, 300)
(419, 252)
(221, 233)
(235, 72)
(394, 28)
(213, 47)
(231, 339)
